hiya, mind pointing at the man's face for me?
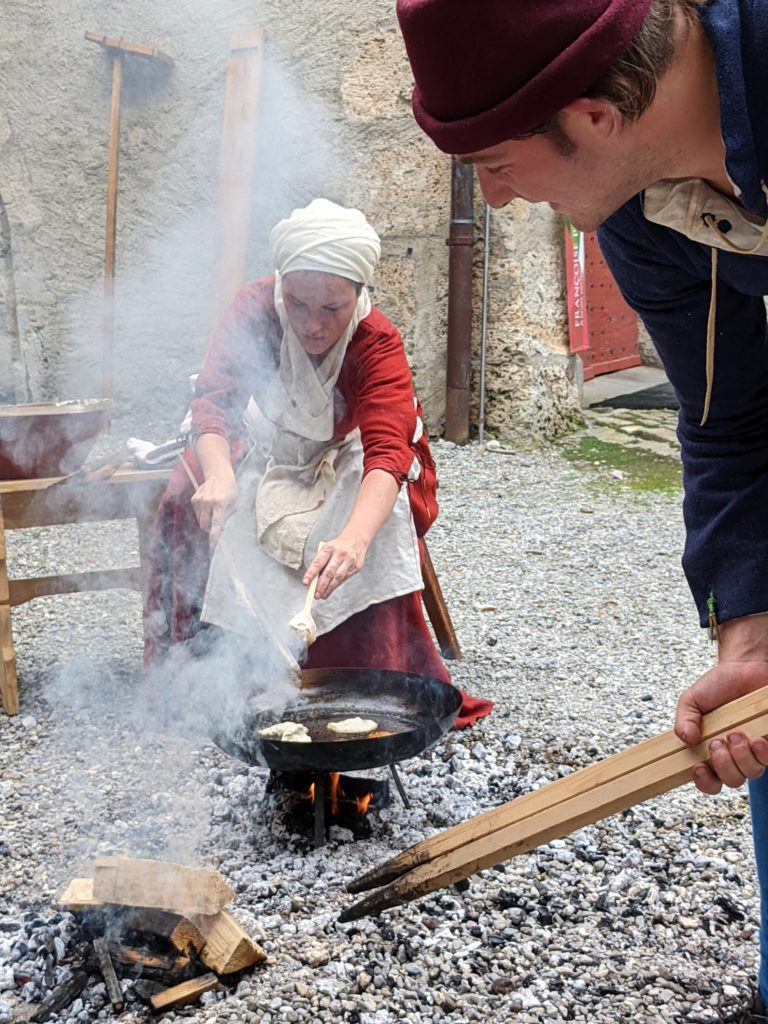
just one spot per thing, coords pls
(588, 182)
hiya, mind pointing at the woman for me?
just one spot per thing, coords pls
(309, 460)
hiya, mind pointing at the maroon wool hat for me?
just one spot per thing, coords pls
(489, 70)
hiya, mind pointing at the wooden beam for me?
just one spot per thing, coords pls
(228, 947)
(551, 818)
(135, 49)
(131, 578)
(154, 883)
(150, 963)
(61, 997)
(726, 718)
(182, 995)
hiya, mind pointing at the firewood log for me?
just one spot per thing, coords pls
(228, 947)
(182, 995)
(153, 883)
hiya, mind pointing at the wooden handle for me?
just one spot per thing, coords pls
(313, 585)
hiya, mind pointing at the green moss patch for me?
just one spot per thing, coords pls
(642, 470)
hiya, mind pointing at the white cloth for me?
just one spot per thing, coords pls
(326, 237)
(301, 397)
(264, 589)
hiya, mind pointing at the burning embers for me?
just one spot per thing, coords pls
(330, 799)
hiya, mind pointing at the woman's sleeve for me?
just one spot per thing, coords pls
(231, 369)
(391, 427)
(385, 404)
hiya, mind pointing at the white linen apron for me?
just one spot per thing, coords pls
(248, 586)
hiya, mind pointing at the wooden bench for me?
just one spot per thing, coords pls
(129, 494)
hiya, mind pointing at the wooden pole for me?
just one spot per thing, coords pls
(117, 47)
(113, 168)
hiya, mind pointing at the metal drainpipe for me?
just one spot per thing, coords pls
(484, 324)
(460, 240)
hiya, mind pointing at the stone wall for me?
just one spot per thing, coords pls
(334, 120)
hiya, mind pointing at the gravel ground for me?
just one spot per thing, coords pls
(574, 616)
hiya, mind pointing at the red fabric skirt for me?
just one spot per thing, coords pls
(392, 634)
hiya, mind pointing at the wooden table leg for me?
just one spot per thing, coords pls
(9, 687)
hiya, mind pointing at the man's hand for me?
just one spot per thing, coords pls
(743, 667)
(214, 502)
(335, 562)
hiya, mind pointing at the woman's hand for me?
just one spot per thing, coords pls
(214, 502)
(336, 561)
(743, 668)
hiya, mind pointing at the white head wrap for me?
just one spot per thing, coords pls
(328, 239)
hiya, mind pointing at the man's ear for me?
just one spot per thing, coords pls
(587, 119)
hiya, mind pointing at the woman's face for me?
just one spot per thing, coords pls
(319, 307)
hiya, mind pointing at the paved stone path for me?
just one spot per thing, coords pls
(649, 429)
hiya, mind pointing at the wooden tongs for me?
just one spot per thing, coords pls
(604, 788)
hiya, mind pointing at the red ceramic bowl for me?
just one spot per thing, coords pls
(48, 438)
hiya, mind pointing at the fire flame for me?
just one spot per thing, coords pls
(361, 803)
(336, 793)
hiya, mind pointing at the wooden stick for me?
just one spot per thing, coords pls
(154, 883)
(107, 968)
(181, 995)
(726, 718)
(228, 947)
(554, 821)
(113, 168)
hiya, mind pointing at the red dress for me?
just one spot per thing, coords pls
(374, 392)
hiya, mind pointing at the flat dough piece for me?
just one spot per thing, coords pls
(288, 732)
(353, 725)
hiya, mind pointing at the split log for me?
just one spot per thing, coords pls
(154, 883)
(725, 719)
(107, 968)
(60, 998)
(557, 810)
(78, 896)
(182, 995)
(228, 947)
(177, 930)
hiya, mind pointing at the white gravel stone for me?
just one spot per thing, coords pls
(648, 916)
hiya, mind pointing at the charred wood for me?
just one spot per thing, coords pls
(107, 969)
(61, 998)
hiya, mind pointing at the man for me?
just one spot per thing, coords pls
(648, 119)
